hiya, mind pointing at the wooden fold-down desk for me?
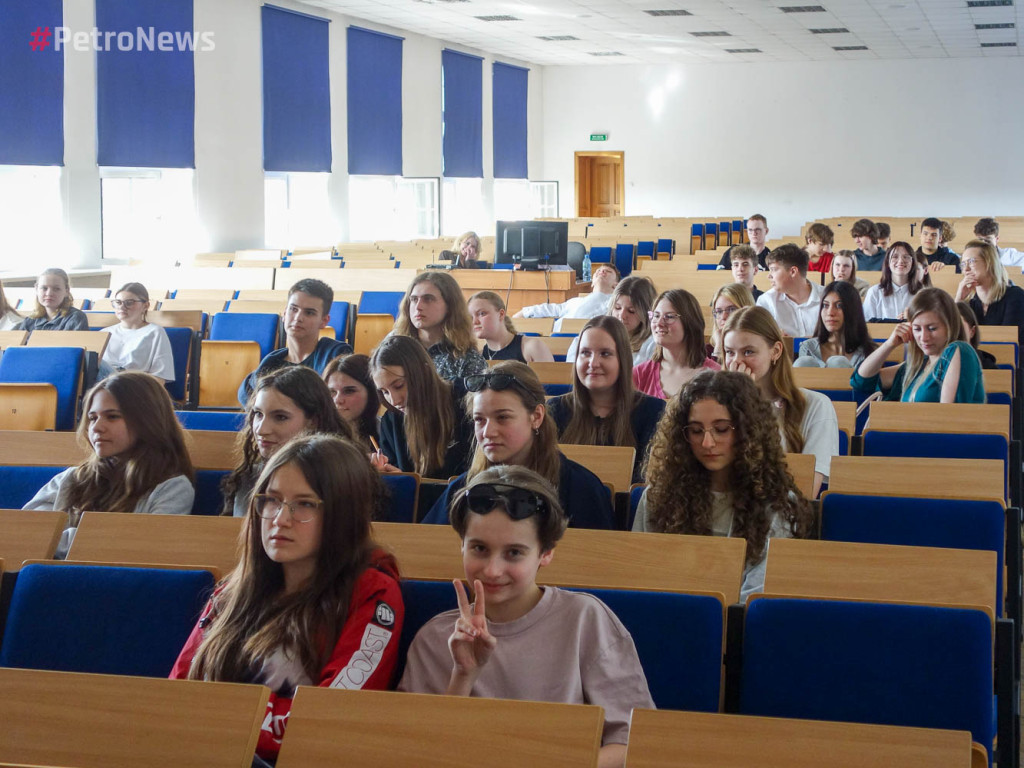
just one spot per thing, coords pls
(527, 287)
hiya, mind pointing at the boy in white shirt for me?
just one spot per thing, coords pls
(987, 229)
(603, 282)
(793, 300)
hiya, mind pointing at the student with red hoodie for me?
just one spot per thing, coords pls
(313, 600)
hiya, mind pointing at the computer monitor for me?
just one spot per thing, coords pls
(534, 244)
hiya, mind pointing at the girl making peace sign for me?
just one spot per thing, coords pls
(519, 640)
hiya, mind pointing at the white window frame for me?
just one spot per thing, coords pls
(544, 199)
(306, 220)
(33, 229)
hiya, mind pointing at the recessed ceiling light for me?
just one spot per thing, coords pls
(669, 13)
(849, 48)
(829, 31)
(711, 34)
(802, 8)
(743, 50)
(558, 38)
(998, 45)
(497, 18)
(1005, 25)
(988, 3)
(606, 53)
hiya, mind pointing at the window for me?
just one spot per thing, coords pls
(544, 196)
(463, 208)
(512, 200)
(149, 215)
(296, 210)
(32, 218)
(392, 208)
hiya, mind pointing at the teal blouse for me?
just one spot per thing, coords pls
(971, 388)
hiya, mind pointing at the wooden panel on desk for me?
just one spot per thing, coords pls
(846, 415)
(1003, 353)
(541, 325)
(664, 562)
(351, 278)
(881, 573)
(102, 318)
(710, 740)
(258, 306)
(204, 294)
(223, 365)
(178, 319)
(498, 280)
(999, 381)
(27, 534)
(572, 325)
(209, 306)
(118, 721)
(923, 478)
(200, 540)
(801, 467)
(388, 729)
(613, 464)
(370, 331)
(12, 338)
(41, 449)
(265, 294)
(28, 406)
(559, 345)
(90, 341)
(553, 373)
(823, 378)
(945, 418)
(210, 449)
(1005, 334)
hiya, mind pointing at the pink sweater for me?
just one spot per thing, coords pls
(647, 377)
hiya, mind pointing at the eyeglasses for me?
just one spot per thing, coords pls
(126, 303)
(716, 313)
(519, 503)
(969, 262)
(668, 317)
(478, 382)
(900, 258)
(302, 511)
(719, 432)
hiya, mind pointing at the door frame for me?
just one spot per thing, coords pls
(620, 155)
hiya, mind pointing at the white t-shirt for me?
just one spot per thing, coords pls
(794, 319)
(140, 349)
(820, 428)
(1011, 257)
(877, 304)
(581, 307)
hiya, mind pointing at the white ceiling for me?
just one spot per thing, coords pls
(621, 32)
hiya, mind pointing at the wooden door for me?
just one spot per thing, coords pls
(599, 184)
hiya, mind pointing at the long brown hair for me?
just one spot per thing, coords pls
(544, 457)
(758, 320)
(307, 390)
(915, 283)
(251, 615)
(641, 292)
(5, 306)
(357, 368)
(158, 452)
(679, 486)
(691, 317)
(942, 305)
(584, 428)
(457, 327)
(430, 417)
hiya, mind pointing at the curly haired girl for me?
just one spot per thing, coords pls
(717, 469)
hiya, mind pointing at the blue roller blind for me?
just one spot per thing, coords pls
(145, 83)
(31, 83)
(509, 113)
(374, 103)
(296, 92)
(462, 78)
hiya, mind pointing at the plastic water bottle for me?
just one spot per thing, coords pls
(586, 267)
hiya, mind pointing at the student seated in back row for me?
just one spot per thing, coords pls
(54, 310)
(138, 462)
(135, 343)
(987, 229)
(744, 267)
(869, 254)
(931, 247)
(584, 306)
(793, 300)
(519, 640)
(308, 310)
(757, 234)
(820, 239)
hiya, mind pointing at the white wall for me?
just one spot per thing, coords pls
(797, 141)
(229, 123)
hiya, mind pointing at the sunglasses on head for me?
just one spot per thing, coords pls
(519, 503)
(478, 382)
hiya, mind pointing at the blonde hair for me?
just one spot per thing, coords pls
(941, 303)
(739, 295)
(758, 320)
(69, 300)
(495, 301)
(989, 255)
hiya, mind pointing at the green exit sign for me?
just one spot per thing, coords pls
(599, 137)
